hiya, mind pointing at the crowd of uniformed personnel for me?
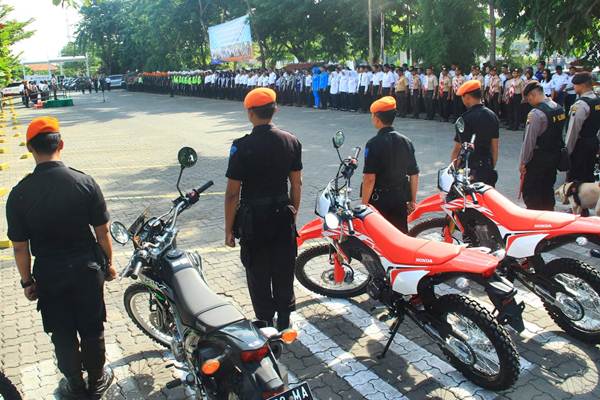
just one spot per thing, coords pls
(417, 90)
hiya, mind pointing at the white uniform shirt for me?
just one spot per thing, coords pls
(308, 81)
(334, 82)
(353, 82)
(547, 86)
(271, 79)
(570, 89)
(558, 81)
(388, 80)
(344, 82)
(377, 78)
(365, 79)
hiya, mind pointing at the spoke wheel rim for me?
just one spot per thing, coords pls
(483, 355)
(140, 308)
(579, 302)
(319, 270)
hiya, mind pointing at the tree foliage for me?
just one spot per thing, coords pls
(10, 33)
(172, 34)
(571, 27)
(450, 32)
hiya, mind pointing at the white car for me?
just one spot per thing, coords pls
(116, 81)
(13, 89)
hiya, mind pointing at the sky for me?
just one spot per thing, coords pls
(52, 24)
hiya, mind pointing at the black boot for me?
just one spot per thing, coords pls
(99, 382)
(283, 321)
(72, 388)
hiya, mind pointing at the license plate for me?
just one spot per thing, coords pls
(300, 392)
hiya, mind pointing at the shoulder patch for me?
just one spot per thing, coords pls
(366, 152)
(233, 150)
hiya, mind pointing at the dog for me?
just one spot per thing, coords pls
(582, 196)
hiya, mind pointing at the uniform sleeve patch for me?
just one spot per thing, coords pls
(233, 150)
(366, 152)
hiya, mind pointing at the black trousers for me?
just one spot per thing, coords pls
(396, 214)
(428, 98)
(583, 160)
(514, 112)
(364, 98)
(483, 173)
(71, 301)
(414, 103)
(494, 103)
(445, 106)
(459, 106)
(270, 275)
(538, 183)
(401, 103)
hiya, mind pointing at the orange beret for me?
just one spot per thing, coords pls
(468, 87)
(386, 103)
(259, 97)
(41, 125)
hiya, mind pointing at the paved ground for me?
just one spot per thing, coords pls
(129, 144)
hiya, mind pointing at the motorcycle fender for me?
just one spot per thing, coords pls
(430, 204)
(502, 293)
(312, 230)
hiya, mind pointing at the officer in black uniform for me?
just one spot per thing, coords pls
(49, 215)
(541, 150)
(482, 122)
(390, 174)
(260, 165)
(583, 130)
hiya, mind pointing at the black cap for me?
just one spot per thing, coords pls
(531, 86)
(581, 78)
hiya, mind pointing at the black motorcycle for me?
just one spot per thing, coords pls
(224, 355)
(8, 391)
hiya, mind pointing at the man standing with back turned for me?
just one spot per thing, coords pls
(49, 215)
(260, 166)
(390, 174)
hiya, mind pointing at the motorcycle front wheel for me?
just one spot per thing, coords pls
(479, 347)
(144, 309)
(8, 391)
(577, 308)
(314, 270)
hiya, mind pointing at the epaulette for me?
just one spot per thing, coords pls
(76, 170)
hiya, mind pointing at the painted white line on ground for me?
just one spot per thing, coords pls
(416, 356)
(344, 364)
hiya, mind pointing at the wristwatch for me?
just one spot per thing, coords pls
(27, 284)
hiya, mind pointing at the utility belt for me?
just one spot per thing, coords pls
(74, 259)
(391, 193)
(263, 220)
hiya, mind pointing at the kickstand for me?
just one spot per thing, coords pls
(393, 332)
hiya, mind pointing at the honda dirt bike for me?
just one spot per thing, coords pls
(8, 391)
(225, 355)
(364, 252)
(478, 215)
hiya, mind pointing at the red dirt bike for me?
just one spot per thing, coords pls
(364, 252)
(478, 215)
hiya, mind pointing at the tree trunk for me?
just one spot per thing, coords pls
(492, 32)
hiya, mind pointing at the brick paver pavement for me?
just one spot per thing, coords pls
(129, 144)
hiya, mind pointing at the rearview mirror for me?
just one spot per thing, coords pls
(338, 139)
(119, 233)
(187, 157)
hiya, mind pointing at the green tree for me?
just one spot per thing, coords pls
(450, 31)
(10, 33)
(554, 26)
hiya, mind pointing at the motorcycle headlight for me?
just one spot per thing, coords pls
(323, 203)
(331, 221)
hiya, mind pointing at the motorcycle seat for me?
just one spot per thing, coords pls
(199, 306)
(400, 248)
(516, 218)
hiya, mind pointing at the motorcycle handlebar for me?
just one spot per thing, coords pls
(204, 187)
(193, 196)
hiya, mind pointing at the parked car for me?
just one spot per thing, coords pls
(13, 89)
(116, 81)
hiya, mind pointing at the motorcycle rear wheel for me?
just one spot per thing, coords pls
(485, 353)
(140, 293)
(580, 314)
(8, 391)
(322, 283)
